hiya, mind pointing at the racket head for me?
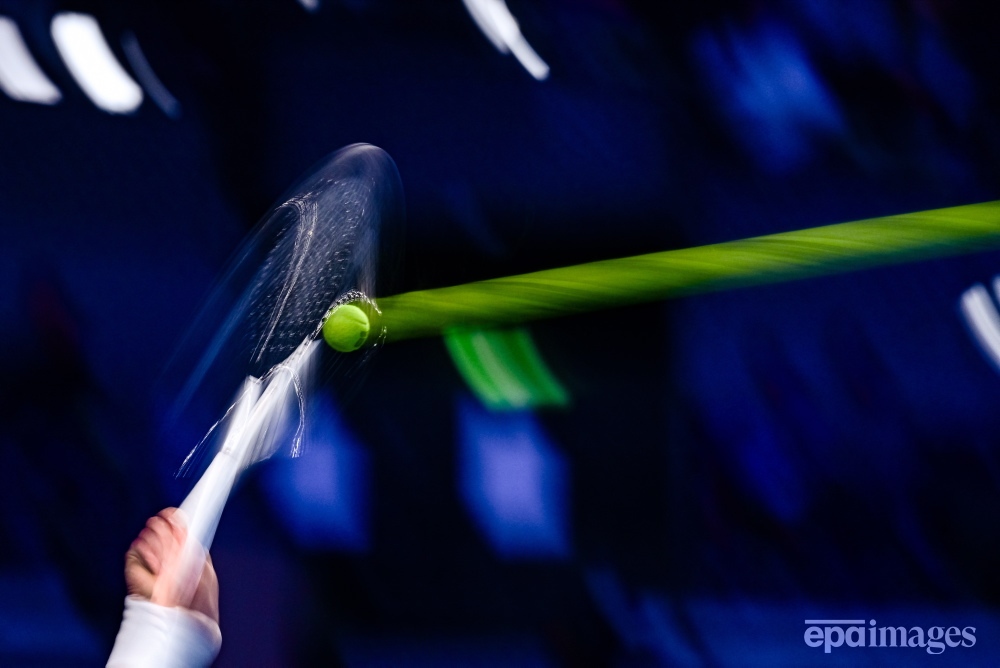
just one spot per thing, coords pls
(321, 245)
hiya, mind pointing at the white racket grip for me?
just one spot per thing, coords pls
(202, 508)
(200, 513)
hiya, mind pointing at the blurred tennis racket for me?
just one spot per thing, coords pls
(258, 332)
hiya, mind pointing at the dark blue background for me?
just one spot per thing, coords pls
(730, 465)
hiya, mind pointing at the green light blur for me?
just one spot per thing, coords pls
(657, 276)
(504, 369)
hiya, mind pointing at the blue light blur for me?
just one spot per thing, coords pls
(645, 622)
(514, 482)
(39, 624)
(765, 85)
(732, 463)
(855, 30)
(322, 497)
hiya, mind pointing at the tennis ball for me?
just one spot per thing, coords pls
(346, 329)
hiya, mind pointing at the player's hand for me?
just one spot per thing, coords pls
(153, 568)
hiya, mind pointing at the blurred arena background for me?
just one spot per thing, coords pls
(717, 469)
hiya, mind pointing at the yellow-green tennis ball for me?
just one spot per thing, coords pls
(346, 329)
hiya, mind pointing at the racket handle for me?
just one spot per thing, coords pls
(203, 506)
(200, 513)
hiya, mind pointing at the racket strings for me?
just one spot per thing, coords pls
(323, 234)
(319, 248)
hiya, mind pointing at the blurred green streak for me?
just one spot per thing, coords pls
(503, 369)
(657, 276)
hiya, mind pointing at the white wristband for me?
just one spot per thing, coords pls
(153, 636)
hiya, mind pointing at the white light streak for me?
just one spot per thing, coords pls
(92, 63)
(500, 27)
(983, 320)
(20, 76)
